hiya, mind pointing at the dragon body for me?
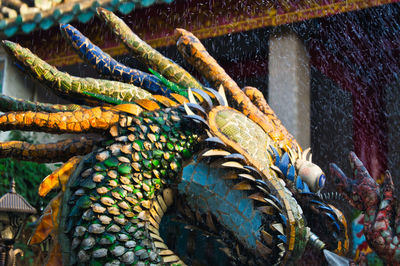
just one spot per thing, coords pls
(219, 158)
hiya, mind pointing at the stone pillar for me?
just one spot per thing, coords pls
(289, 84)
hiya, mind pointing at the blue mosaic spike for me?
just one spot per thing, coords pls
(306, 188)
(333, 218)
(291, 173)
(317, 202)
(276, 200)
(325, 208)
(283, 218)
(299, 183)
(276, 155)
(337, 226)
(282, 238)
(284, 163)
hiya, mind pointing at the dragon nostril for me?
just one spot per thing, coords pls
(337, 180)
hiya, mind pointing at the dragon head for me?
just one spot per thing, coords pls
(361, 191)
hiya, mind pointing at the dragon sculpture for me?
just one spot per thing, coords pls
(162, 142)
(377, 202)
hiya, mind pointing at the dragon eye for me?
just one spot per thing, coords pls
(321, 181)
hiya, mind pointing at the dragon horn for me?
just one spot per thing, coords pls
(146, 53)
(70, 86)
(108, 66)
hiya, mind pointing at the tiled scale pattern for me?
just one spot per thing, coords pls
(116, 205)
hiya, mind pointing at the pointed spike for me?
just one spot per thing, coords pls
(253, 171)
(232, 164)
(272, 204)
(306, 188)
(247, 176)
(337, 226)
(187, 109)
(276, 155)
(244, 185)
(299, 183)
(216, 95)
(269, 210)
(263, 250)
(267, 237)
(317, 202)
(191, 96)
(205, 97)
(210, 222)
(196, 107)
(326, 208)
(284, 220)
(197, 118)
(291, 173)
(276, 200)
(214, 141)
(333, 218)
(262, 183)
(262, 189)
(215, 152)
(305, 153)
(282, 238)
(276, 169)
(258, 197)
(284, 163)
(292, 155)
(235, 156)
(221, 91)
(278, 227)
